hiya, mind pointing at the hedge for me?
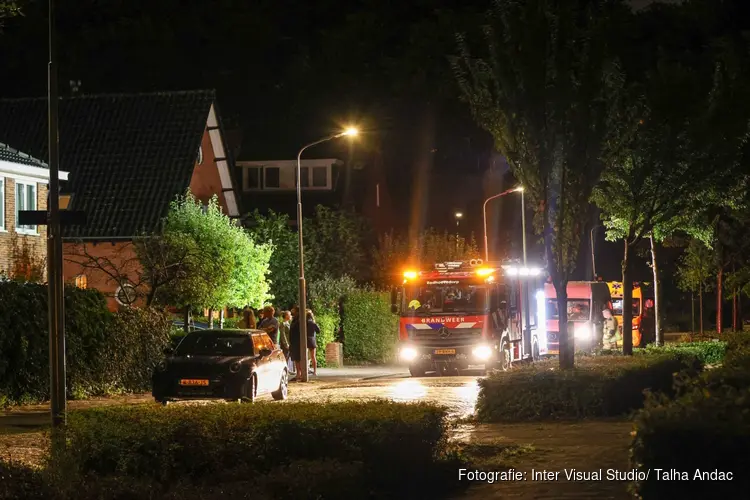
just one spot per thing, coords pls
(342, 450)
(706, 427)
(599, 386)
(106, 352)
(709, 352)
(370, 329)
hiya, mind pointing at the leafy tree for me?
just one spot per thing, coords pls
(335, 245)
(395, 252)
(694, 272)
(25, 264)
(9, 8)
(273, 229)
(201, 258)
(549, 92)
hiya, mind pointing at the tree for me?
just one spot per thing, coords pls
(549, 92)
(25, 265)
(396, 252)
(201, 258)
(8, 9)
(273, 229)
(695, 269)
(335, 242)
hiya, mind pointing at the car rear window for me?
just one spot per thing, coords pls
(211, 344)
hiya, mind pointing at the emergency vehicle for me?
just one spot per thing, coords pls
(586, 300)
(469, 315)
(615, 289)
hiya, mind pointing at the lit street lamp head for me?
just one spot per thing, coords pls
(519, 189)
(459, 215)
(351, 132)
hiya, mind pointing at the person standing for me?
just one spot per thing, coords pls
(294, 341)
(286, 318)
(248, 320)
(270, 325)
(611, 334)
(312, 341)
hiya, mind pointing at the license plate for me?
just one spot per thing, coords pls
(194, 382)
(445, 351)
(477, 367)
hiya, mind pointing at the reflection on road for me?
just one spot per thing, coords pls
(407, 390)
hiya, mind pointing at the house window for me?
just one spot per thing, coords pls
(25, 200)
(2, 204)
(320, 177)
(81, 281)
(272, 177)
(305, 176)
(252, 178)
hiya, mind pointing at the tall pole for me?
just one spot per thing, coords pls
(484, 218)
(593, 255)
(527, 306)
(302, 318)
(54, 244)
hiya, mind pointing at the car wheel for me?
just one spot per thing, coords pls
(416, 371)
(282, 392)
(165, 402)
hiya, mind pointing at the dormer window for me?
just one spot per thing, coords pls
(199, 160)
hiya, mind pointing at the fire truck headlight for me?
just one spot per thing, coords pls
(482, 352)
(583, 331)
(408, 354)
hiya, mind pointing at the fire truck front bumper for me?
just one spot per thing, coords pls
(471, 357)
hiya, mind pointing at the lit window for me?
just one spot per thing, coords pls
(2, 204)
(25, 200)
(81, 281)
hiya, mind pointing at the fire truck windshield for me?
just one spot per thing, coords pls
(447, 297)
(617, 307)
(578, 309)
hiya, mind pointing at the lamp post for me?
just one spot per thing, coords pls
(593, 255)
(523, 221)
(302, 313)
(458, 216)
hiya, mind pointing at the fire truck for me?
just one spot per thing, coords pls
(470, 315)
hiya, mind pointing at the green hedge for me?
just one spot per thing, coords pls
(329, 325)
(599, 386)
(344, 450)
(709, 352)
(710, 412)
(106, 352)
(370, 329)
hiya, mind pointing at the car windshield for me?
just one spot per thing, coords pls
(214, 344)
(617, 307)
(446, 296)
(578, 309)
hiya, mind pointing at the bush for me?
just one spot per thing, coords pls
(156, 445)
(329, 326)
(599, 386)
(325, 295)
(370, 329)
(106, 352)
(18, 480)
(708, 352)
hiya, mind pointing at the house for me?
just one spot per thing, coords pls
(23, 186)
(129, 156)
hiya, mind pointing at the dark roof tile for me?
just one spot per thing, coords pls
(128, 155)
(10, 154)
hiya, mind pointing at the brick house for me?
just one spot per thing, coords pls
(129, 156)
(23, 186)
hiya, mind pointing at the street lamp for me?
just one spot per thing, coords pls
(523, 220)
(302, 313)
(458, 216)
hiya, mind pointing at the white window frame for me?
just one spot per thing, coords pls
(3, 183)
(285, 168)
(31, 230)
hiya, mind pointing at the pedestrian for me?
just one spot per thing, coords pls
(611, 334)
(312, 342)
(294, 342)
(286, 319)
(248, 321)
(270, 325)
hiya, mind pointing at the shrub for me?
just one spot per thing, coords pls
(370, 329)
(700, 431)
(241, 442)
(18, 480)
(329, 326)
(106, 352)
(599, 386)
(325, 295)
(708, 352)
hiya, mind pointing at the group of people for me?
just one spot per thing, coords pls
(611, 331)
(285, 334)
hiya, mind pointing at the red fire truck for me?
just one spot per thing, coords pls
(470, 315)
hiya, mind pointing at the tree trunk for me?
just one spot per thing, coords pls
(741, 324)
(567, 347)
(221, 319)
(700, 309)
(657, 294)
(210, 319)
(719, 299)
(692, 313)
(627, 303)
(186, 319)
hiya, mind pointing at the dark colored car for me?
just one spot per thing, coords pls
(233, 365)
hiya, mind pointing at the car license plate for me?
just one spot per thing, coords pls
(194, 382)
(477, 367)
(445, 351)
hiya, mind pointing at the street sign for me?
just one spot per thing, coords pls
(39, 217)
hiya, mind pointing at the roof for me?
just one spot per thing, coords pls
(9, 154)
(129, 155)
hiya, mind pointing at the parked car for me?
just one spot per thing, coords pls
(231, 365)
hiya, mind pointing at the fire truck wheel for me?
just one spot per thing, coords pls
(416, 371)
(505, 356)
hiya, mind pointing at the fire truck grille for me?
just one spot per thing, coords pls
(455, 334)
